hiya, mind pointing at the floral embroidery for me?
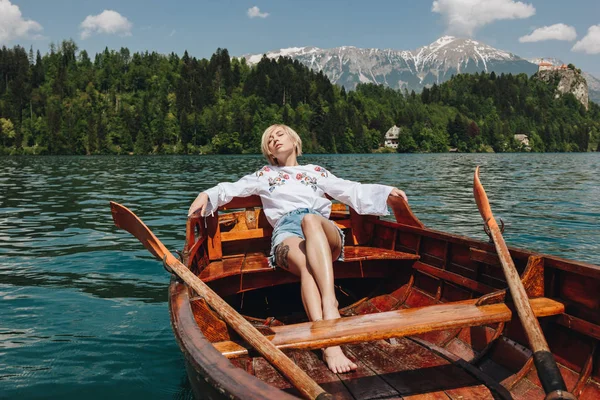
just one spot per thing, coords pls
(277, 181)
(307, 180)
(323, 171)
(261, 171)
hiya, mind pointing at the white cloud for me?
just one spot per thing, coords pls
(173, 32)
(109, 22)
(12, 24)
(254, 12)
(463, 17)
(552, 32)
(590, 44)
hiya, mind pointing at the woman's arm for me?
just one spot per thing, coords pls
(208, 201)
(362, 197)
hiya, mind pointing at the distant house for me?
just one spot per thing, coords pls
(391, 137)
(523, 140)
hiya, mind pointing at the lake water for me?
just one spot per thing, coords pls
(84, 305)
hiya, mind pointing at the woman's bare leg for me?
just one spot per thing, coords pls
(291, 255)
(323, 245)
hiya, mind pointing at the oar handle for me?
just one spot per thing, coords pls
(545, 364)
(127, 220)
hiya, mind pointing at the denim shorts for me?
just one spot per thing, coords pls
(290, 225)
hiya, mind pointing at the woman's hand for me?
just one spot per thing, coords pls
(398, 193)
(199, 205)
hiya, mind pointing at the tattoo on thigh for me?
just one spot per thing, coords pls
(281, 255)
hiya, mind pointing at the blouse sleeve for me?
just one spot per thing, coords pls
(362, 197)
(225, 191)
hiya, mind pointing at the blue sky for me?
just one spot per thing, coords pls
(537, 28)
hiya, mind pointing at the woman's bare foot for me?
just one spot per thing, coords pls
(337, 361)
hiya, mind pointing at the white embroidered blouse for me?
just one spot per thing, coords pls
(285, 189)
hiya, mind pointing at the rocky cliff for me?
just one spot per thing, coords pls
(569, 81)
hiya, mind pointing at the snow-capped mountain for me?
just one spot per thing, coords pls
(414, 69)
(399, 69)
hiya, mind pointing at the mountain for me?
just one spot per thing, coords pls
(593, 87)
(413, 69)
(404, 69)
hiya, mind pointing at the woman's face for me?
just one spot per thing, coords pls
(280, 144)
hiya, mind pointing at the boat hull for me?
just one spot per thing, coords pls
(484, 360)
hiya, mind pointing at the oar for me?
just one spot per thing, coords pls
(547, 370)
(127, 220)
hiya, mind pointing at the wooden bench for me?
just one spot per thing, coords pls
(239, 242)
(385, 325)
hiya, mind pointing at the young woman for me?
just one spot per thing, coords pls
(304, 241)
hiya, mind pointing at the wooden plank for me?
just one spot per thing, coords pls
(411, 369)
(441, 395)
(221, 269)
(343, 223)
(575, 267)
(257, 261)
(385, 325)
(579, 325)
(360, 384)
(362, 227)
(215, 251)
(191, 253)
(463, 240)
(479, 392)
(397, 364)
(364, 383)
(248, 234)
(468, 368)
(357, 253)
(525, 390)
(318, 371)
(485, 257)
(242, 202)
(454, 278)
(264, 371)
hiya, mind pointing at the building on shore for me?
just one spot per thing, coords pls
(523, 140)
(391, 137)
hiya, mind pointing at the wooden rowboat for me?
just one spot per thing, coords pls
(426, 314)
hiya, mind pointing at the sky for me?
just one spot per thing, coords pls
(568, 30)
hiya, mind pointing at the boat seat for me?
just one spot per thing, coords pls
(257, 262)
(237, 243)
(390, 324)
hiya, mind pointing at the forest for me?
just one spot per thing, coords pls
(64, 102)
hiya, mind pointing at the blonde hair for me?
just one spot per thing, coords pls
(273, 129)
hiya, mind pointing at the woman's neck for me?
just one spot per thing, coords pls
(290, 161)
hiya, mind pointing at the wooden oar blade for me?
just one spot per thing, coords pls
(125, 219)
(546, 366)
(481, 197)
